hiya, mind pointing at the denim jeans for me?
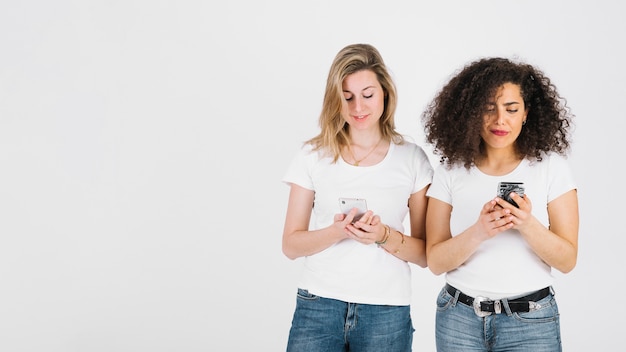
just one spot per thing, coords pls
(458, 328)
(322, 324)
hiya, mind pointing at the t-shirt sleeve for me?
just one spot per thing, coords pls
(440, 187)
(561, 178)
(298, 170)
(424, 170)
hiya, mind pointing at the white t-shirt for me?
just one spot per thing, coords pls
(504, 266)
(348, 270)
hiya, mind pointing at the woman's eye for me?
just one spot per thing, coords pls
(512, 111)
(368, 96)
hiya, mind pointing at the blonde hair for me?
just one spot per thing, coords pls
(334, 129)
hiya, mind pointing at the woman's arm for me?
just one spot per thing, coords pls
(446, 253)
(298, 241)
(413, 249)
(557, 245)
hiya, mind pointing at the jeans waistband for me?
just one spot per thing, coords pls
(483, 306)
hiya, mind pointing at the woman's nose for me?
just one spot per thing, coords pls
(358, 104)
(499, 117)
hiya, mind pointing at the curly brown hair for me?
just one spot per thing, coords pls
(454, 118)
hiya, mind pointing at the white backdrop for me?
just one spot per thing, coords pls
(142, 145)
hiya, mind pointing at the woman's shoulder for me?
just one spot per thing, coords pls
(454, 170)
(413, 156)
(550, 160)
(310, 155)
(409, 149)
(308, 150)
(408, 144)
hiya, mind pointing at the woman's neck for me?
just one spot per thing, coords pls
(498, 162)
(365, 149)
(364, 139)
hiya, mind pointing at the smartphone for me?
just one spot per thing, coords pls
(505, 189)
(346, 204)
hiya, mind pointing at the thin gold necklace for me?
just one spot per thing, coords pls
(356, 162)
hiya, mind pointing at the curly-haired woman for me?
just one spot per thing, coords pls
(497, 120)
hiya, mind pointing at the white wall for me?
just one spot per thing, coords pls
(142, 145)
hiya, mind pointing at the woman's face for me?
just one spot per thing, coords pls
(504, 117)
(364, 100)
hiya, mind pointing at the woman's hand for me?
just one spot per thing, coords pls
(520, 217)
(494, 218)
(367, 230)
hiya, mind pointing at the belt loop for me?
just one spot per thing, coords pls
(456, 297)
(507, 308)
(552, 290)
(497, 307)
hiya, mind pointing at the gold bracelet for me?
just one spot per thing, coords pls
(385, 237)
(401, 243)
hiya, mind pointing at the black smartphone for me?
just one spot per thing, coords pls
(505, 189)
(346, 204)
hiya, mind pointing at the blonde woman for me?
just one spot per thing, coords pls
(355, 289)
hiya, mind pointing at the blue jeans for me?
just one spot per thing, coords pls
(323, 324)
(458, 328)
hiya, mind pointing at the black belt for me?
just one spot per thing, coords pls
(483, 306)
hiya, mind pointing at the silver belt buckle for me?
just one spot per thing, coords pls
(533, 306)
(477, 309)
